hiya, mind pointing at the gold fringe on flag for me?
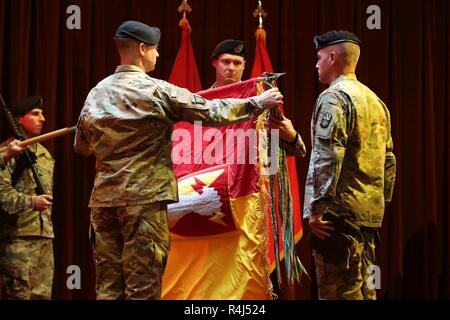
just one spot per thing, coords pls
(264, 185)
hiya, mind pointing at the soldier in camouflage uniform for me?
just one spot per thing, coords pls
(126, 123)
(351, 170)
(228, 58)
(26, 232)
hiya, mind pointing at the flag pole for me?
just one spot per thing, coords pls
(184, 71)
(260, 14)
(282, 202)
(184, 7)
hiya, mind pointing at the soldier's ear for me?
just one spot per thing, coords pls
(141, 49)
(19, 119)
(332, 57)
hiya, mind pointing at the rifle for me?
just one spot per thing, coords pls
(28, 158)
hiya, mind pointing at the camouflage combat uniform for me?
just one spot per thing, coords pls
(2, 161)
(352, 173)
(126, 123)
(297, 148)
(26, 235)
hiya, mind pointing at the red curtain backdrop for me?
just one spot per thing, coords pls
(405, 62)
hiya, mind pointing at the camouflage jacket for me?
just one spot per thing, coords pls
(352, 166)
(297, 149)
(2, 159)
(17, 217)
(127, 122)
(2, 162)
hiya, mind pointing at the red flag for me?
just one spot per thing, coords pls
(219, 255)
(191, 141)
(184, 71)
(262, 61)
(218, 228)
(262, 64)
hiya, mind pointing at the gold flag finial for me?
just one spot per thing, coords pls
(260, 14)
(184, 7)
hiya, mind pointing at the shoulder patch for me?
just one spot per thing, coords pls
(326, 122)
(180, 95)
(184, 96)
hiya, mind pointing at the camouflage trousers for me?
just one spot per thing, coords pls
(348, 280)
(130, 249)
(26, 266)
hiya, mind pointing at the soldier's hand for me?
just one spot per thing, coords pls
(320, 227)
(42, 202)
(287, 131)
(13, 150)
(271, 98)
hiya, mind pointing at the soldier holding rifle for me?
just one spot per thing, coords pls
(26, 233)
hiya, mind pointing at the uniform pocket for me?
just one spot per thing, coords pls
(150, 246)
(334, 249)
(154, 252)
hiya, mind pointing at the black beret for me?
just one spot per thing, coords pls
(139, 31)
(26, 104)
(333, 37)
(231, 46)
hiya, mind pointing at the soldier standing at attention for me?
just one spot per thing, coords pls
(351, 170)
(26, 232)
(126, 123)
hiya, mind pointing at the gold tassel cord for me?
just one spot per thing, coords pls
(260, 34)
(264, 183)
(184, 23)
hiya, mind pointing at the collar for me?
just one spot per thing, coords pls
(348, 76)
(128, 68)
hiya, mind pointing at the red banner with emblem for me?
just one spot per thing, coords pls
(218, 229)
